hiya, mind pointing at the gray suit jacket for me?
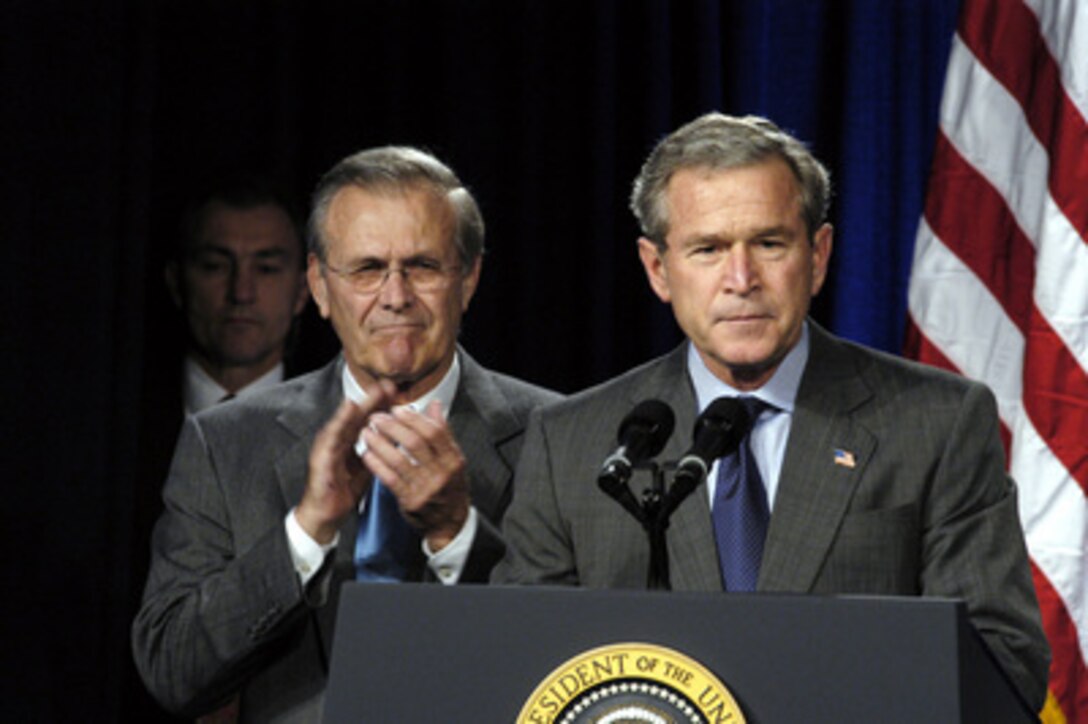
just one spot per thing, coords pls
(927, 509)
(223, 609)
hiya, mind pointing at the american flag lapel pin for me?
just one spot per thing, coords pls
(845, 458)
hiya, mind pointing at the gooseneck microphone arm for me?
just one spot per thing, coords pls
(642, 434)
(613, 478)
(719, 430)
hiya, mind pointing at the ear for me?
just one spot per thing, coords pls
(318, 285)
(172, 277)
(654, 265)
(821, 256)
(469, 282)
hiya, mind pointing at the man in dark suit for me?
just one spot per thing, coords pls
(394, 462)
(875, 475)
(236, 275)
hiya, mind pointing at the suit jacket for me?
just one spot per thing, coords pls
(926, 509)
(223, 610)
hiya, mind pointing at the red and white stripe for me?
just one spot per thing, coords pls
(999, 286)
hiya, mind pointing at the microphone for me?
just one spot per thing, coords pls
(642, 434)
(718, 432)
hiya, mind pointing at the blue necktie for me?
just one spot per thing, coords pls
(740, 512)
(387, 548)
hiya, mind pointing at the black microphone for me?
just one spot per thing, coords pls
(718, 432)
(642, 434)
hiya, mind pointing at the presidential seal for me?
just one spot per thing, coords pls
(631, 683)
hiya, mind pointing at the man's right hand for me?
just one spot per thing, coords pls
(337, 477)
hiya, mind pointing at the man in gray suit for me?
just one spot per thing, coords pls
(394, 462)
(879, 476)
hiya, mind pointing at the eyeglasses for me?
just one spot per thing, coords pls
(423, 275)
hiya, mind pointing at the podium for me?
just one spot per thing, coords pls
(477, 653)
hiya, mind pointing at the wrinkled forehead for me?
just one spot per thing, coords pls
(690, 184)
(390, 222)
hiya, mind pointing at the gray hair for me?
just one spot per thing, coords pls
(398, 169)
(718, 142)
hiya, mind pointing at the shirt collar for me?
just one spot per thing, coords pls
(444, 391)
(200, 391)
(780, 391)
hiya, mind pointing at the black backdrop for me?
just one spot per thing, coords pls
(112, 110)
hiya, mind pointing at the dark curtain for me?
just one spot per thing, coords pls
(114, 110)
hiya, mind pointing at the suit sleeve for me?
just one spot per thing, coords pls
(208, 613)
(973, 547)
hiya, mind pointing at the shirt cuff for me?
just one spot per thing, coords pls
(307, 555)
(448, 563)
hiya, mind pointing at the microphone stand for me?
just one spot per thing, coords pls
(657, 576)
(653, 512)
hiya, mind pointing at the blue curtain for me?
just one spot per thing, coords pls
(860, 82)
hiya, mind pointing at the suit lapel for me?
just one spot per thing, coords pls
(693, 552)
(312, 405)
(825, 458)
(481, 421)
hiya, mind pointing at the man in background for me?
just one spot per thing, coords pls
(239, 281)
(392, 463)
(236, 278)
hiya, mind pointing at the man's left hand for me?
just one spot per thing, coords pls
(417, 459)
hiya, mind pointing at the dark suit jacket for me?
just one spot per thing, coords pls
(927, 508)
(223, 610)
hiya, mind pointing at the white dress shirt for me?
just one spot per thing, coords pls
(771, 430)
(199, 391)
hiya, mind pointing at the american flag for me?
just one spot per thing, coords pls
(999, 284)
(844, 458)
